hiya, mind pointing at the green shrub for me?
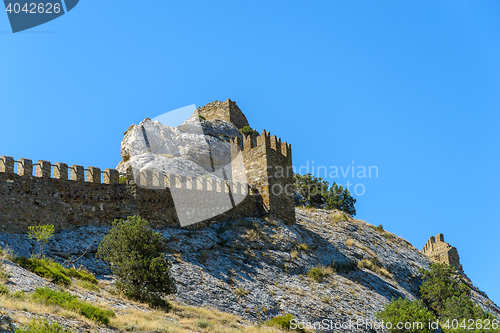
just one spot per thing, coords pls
(39, 326)
(202, 117)
(70, 302)
(405, 311)
(136, 255)
(283, 322)
(247, 130)
(316, 193)
(4, 290)
(45, 269)
(439, 284)
(51, 270)
(122, 180)
(42, 234)
(380, 228)
(319, 273)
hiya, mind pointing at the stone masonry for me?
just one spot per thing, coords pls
(71, 196)
(437, 250)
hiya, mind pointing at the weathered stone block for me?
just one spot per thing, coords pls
(61, 171)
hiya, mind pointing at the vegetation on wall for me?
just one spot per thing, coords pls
(247, 130)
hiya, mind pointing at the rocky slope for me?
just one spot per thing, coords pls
(257, 268)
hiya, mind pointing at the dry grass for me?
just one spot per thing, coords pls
(294, 254)
(180, 319)
(350, 242)
(374, 265)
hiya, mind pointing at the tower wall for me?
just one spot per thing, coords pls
(437, 250)
(227, 111)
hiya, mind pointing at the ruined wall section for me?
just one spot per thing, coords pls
(227, 111)
(437, 250)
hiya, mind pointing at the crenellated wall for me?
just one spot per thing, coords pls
(437, 250)
(268, 167)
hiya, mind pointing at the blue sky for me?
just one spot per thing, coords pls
(409, 87)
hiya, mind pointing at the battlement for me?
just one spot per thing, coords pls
(42, 192)
(437, 250)
(45, 169)
(266, 141)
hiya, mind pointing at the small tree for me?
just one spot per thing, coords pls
(441, 283)
(42, 234)
(339, 198)
(311, 188)
(405, 311)
(136, 255)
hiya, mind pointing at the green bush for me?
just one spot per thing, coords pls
(45, 269)
(70, 302)
(319, 273)
(439, 284)
(380, 228)
(283, 322)
(122, 180)
(459, 309)
(4, 290)
(339, 198)
(202, 117)
(135, 253)
(51, 270)
(247, 130)
(405, 311)
(39, 326)
(316, 193)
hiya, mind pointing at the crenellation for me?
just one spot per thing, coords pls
(43, 169)
(25, 167)
(6, 164)
(93, 175)
(77, 173)
(111, 176)
(61, 171)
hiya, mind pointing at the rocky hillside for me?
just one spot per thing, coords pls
(255, 269)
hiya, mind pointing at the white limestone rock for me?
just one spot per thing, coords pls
(195, 148)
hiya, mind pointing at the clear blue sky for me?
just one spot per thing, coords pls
(411, 87)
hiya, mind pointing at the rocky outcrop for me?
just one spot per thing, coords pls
(6, 325)
(196, 148)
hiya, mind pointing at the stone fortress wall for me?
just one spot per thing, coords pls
(437, 250)
(73, 196)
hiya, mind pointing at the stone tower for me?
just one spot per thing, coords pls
(437, 250)
(267, 161)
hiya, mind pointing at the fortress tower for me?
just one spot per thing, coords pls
(267, 161)
(437, 250)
